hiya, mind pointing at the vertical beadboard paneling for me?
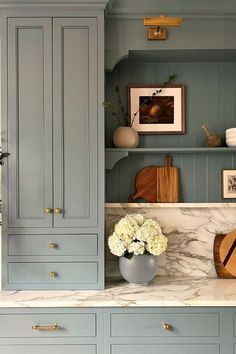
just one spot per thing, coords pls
(210, 99)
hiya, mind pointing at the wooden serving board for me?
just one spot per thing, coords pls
(158, 184)
(225, 255)
(146, 185)
(168, 182)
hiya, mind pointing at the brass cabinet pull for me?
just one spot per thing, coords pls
(48, 210)
(52, 245)
(53, 327)
(53, 274)
(58, 210)
(166, 326)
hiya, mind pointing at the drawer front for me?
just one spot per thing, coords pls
(52, 245)
(43, 273)
(48, 349)
(152, 325)
(70, 325)
(165, 349)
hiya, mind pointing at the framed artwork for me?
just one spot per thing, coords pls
(157, 113)
(229, 183)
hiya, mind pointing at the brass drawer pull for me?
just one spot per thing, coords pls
(52, 245)
(54, 327)
(48, 210)
(166, 326)
(58, 211)
(53, 274)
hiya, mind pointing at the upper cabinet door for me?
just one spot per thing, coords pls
(30, 121)
(75, 121)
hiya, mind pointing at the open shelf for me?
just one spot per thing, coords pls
(113, 155)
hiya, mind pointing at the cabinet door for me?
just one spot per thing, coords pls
(75, 121)
(29, 121)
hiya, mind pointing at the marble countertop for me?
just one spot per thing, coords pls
(163, 291)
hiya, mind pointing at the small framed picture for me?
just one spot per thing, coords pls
(154, 112)
(229, 183)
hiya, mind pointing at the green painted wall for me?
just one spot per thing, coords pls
(210, 99)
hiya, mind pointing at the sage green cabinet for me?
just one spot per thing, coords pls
(46, 162)
(29, 121)
(75, 121)
(53, 82)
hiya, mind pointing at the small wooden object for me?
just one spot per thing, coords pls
(168, 182)
(225, 255)
(146, 182)
(158, 184)
(211, 139)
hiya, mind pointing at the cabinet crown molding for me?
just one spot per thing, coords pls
(93, 4)
(184, 8)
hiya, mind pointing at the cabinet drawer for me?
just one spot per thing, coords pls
(70, 325)
(151, 325)
(52, 245)
(165, 349)
(42, 273)
(48, 349)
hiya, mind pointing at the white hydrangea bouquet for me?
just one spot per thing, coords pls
(135, 235)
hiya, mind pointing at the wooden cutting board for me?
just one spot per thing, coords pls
(225, 255)
(168, 182)
(158, 184)
(146, 185)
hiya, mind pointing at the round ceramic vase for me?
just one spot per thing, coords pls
(139, 269)
(125, 137)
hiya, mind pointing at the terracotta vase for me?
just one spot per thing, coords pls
(125, 137)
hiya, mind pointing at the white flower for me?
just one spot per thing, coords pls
(149, 231)
(138, 218)
(124, 229)
(135, 235)
(116, 245)
(157, 246)
(136, 248)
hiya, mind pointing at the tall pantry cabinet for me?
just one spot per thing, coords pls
(53, 197)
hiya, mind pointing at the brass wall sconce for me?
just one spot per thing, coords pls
(159, 32)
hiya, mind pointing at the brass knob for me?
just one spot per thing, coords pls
(52, 245)
(166, 326)
(48, 210)
(58, 210)
(53, 274)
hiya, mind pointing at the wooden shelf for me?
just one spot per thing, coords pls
(113, 155)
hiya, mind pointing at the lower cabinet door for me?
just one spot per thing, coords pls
(165, 349)
(48, 349)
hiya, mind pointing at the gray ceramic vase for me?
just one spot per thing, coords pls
(139, 269)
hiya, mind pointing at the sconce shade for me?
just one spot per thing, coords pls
(164, 21)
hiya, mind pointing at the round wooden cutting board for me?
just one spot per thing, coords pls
(228, 252)
(225, 255)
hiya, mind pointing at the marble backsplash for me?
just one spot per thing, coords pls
(190, 231)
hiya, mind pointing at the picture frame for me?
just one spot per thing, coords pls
(163, 113)
(229, 183)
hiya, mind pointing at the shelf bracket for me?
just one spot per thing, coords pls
(112, 157)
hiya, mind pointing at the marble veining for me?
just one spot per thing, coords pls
(163, 291)
(190, 232)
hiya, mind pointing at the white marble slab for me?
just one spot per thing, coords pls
(170, 205)
(190, 231)
(163, 291)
